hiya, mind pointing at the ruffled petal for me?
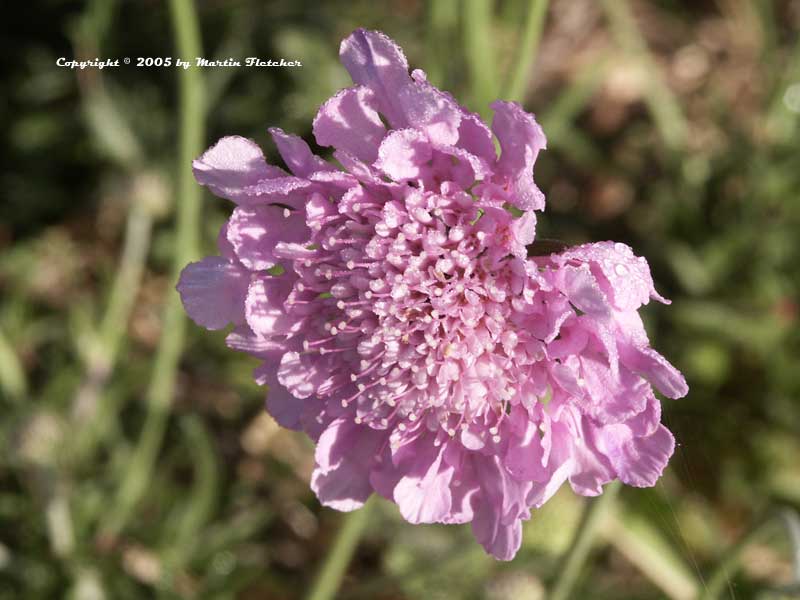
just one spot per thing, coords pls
(296, 154)
(403, 154)
(349, 122)
(521, 138)
(657, 370)
(638, 461)
(375, 61)
(501, 507)
(423, 493)
(523, 231)
(610, 399)
(344, 455)
(285, 408)
(623, 276)
(583, 290)
(213, 292)
(265, 306)
(254, 231)
(231, 165)
(591, 468)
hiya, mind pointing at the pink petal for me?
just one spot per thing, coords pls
(524, 232)
(430, 109)
(265, 306)
(297, 373)
(213, 292)
(592, 469)
(476, 138)
(296, 154)
(243, 339)
(423, 494)
(628, 282)
(287, 190)
(403, 153)
(345, 452)
(231, 165)
(521, 138)
(375, 61)
(285, 408)
(254, 231)
(499, 540)
(349, 122)
(525, 458)
(583, 290)
(497, 521)
(657, 370)
(610, 399)
(638, 461)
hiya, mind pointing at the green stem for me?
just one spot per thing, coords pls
(480, 57)
(729, 563)
(126, 283)
(12, 376)
(90, 407)
(572, 562)
(160, 391)
(662, 103)
(529, 45)
(442, 21)
(329, 578)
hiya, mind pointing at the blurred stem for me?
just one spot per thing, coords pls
(478, 49)
(526, 54)
(442, 20)
(643, 545)
(126, 284)
(729, 564)
(179, 537)
(329, 579)
(663, 105)
(237, 42)
(572, 562)
(162, 383)
(88, 401)
(781, 122)
(12, 375)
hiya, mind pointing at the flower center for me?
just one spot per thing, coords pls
(411, 299)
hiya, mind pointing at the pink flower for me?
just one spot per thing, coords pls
(408, 332)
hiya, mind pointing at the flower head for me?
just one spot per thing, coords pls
(403, 326)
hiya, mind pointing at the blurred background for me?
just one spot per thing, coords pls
(135, 458)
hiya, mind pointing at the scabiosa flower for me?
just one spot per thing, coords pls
(401, 323)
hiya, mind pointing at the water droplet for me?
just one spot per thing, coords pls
(621, 270)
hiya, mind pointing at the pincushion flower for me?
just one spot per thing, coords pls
(401, 323)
